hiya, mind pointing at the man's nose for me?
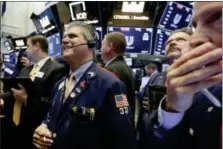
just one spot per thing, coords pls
(66, 41)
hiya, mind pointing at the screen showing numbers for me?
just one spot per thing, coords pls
(138, 40)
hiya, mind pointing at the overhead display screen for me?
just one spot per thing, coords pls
(99, 37)
(139, 40)
(19, 43)
(45, 22)
(175, 16)
(79, 11)
(54, 45)
(159, 45)
(132, 14)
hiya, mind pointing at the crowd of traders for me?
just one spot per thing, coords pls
(85, 106)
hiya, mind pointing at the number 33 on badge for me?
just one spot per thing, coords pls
(122, 103)
(124, 110)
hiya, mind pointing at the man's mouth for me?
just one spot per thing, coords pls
(67, 48)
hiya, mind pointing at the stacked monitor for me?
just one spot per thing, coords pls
(138, 40)
(175, 16)
(159, 44)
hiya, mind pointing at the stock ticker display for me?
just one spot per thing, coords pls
(139, 40)
(175, 16)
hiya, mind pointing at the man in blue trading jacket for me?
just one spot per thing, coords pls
(186, 118)
(90, 109)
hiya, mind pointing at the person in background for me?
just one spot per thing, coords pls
(186, 118)
(113, 49)
(90, 108)
(152, 73)
(24, 110)
(174, 48)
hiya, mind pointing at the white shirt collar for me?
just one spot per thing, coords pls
(110, 61)
(42, 62)
(78, 73)
(154, 73)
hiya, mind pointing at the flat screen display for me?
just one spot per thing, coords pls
(175, 16)
(99, 35)
(138, 40)
(19, 43)
(46, 22)
(128, 61)
(160, 40)
(54, 47)
(87, 11)
(9, 58)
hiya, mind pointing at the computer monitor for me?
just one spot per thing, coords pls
(128, 61)
(54, 42)
(175, 16)
(9, 58)
(99, 35)
(160, 40)
(45, 22)
(139, 40)
(19, 43)
(8, 45)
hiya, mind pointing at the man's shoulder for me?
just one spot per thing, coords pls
(106, 75)
(55, 65)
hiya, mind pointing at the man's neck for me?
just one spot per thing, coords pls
(75, 65)
(113, 57)
(41, 57)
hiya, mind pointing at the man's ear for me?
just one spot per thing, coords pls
(37, 46)
(110, 46)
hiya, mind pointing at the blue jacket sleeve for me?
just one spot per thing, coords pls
(117, 114)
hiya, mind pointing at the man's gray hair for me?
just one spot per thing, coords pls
(89, 31)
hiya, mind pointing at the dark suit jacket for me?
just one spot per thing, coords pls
(199, 129)
(110, 127)
(119, 67)
(35, 109)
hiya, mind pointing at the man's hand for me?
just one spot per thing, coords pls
(187, 75)
(1, 106)
(25, 61)
(20, 94)
(145, 104)
(42, 138)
